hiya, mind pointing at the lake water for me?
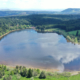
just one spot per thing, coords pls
(39, 50)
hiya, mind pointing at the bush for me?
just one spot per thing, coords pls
(20, 67)
(18, 76)
(1, 74)
(4, 67)
(66, 74)
(12, 73)
(32, 78)
(7, 69)
(17, 67)
(7, 78)
(50, 74)
(34, 73)
(38, 71)
(4, 78)
(29, 73)
(42, 75)
(16, 71)
(24, 73)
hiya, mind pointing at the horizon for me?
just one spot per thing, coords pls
(31, 9)
(54, 10)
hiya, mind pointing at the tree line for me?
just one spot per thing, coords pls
(40, 21)
(20, 71)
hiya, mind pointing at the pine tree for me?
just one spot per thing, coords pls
(77, 33)
(42, 75)
(29, 73)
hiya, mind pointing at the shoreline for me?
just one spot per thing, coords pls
(68, 38)
(12, 31)
(46, 70)
(41, 68)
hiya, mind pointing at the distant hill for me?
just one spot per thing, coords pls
(8, 12)
(71, 11)
(11, 13)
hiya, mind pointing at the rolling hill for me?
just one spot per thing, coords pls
(71, 11)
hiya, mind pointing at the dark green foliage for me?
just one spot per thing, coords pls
(29, 73)
(16, 71)
(4, 78)
(12, 73)
(7, 69)
(24, 73)
(1, 74)
(7, 78)
(42, 75)
(18, 76)
(2, 69)
(38, 71)
(66, 74)
(34, 73)
(17, 67)
(50, 74)
(20, 67)
(40, 21)
(77, 33)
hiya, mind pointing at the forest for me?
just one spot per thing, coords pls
(68, 23)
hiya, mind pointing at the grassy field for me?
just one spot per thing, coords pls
(48, 77)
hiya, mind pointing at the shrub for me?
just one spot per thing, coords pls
(20, 67)
(32, 78)
(17, 67)
(1, 74)
(34, 73)
(29, 73)
(7, 78)
(50, 74)
(4, 67)
(4, 78)
(38, 71)
(7, 69)
(18, 76)
(12, 73)
(16, 71)
(24, 73)
(66, 74)
(42, 75)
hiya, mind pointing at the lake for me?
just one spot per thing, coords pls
(39, 50)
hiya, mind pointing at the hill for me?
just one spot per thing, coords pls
(13, 13)
(71, 11)
(17, 12)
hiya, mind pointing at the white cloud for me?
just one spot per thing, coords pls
(40, 4)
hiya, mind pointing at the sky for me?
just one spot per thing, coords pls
(39, 4)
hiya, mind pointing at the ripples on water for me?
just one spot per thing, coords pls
(39, 50)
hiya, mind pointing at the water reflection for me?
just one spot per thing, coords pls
(40, 50)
